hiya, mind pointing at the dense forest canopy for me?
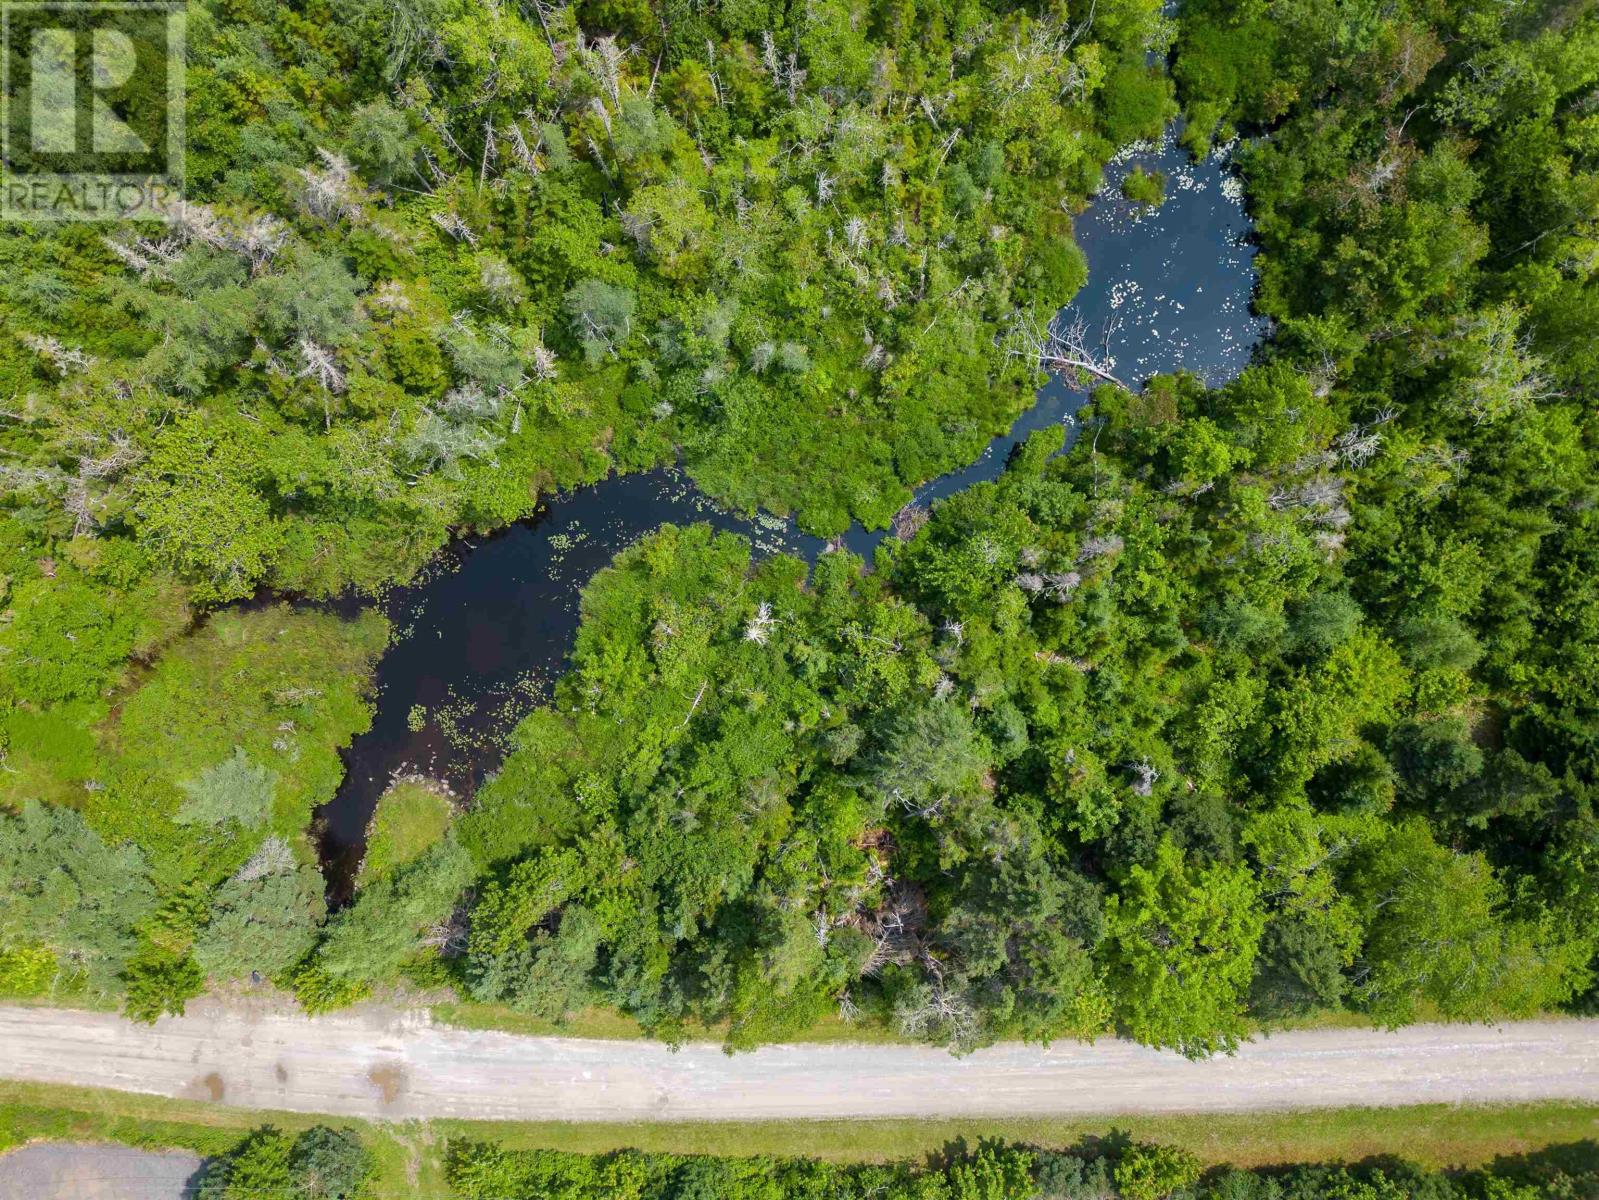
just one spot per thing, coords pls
(439, 255)
(1262, 701)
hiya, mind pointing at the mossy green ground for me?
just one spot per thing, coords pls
(411, 815)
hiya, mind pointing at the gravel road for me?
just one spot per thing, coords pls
(379, 1063)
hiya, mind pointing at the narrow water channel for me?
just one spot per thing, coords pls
(484, 633)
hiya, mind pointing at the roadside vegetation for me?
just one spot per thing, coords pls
(1541, 1147)
(1268, 699)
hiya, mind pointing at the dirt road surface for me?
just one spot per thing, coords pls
(379, 1063)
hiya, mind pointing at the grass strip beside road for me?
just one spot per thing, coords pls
(411, 1153)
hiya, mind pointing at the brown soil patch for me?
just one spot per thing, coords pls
(389, 1081)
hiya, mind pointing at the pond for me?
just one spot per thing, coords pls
(483, 634)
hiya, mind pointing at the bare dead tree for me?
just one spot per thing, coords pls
(542, 363)
(698, 696)
(259, 239)
(318, 363)
(605, 60)
(1145, 776)
(937, 1008)
(1064, 345)
(79, 497)
(449, 936)
(524, 152)
(1357, 446)
(1320, 492)
(274, 857)
(909, 520)
(637, 227)
(147, 256)
(330, 192)
(945, 146)
(895, 928)
(1509, 378)
(452, 224)
(759, 628)
(1100, 547)
(64, 360)
(793, 78)
(1061, 584)
(786, 73)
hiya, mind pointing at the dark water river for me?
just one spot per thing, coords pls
(487, 629)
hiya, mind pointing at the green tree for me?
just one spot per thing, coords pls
(265, 918)
(601, 316)
(234, 789)
(926, 756)
(549, 973)
(369, 940)
(330, 1164)
(1441, 937)
(1312, 931)
(197, 509)
(157, 982)
(673, 226)
(1153, 1172)
(1179, 952)
(257, 1169)
(66, 889)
